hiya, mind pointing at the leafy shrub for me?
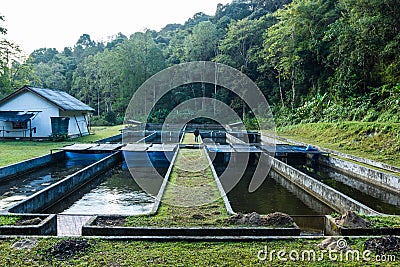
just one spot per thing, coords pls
(110, 117)
(99, 121)
(59, 137)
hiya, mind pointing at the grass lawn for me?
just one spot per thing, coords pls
(189, 139)
(382, 221)
(8, 220)
(376, 141)
(12, 151)
(147, 253)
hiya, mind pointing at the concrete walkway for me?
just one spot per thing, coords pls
(71, 225)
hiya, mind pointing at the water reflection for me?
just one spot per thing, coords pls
(275, 194)
(21, 187)
(117, 194)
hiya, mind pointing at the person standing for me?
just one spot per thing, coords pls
(196, 135)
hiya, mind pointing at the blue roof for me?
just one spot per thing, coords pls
(12, 116)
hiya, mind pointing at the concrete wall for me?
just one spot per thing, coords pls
(337, 153)
(25, 102)
(10, 171)
(384, 180)
(221, 190)
(307, 199)
(331, 197)
(111, 139)
(164, 184)
(233, 140)
(48, 226)
(57, 191)
(365, 187)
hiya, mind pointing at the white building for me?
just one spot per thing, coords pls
(30, 112)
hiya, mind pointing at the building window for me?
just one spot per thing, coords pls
(20, 125)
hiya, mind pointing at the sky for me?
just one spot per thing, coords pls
(34, 24)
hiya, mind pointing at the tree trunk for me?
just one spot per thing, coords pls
(243, 110)
(292, 79)
(280, 89)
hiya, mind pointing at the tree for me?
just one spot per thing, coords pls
(202, 43)
(365, 46)
(43, 55)
(242, 42)
(115, 41)
(295, 48)
(138, 58)
(10, 54)
(108, 79)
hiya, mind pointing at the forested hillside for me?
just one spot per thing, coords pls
(315, 60)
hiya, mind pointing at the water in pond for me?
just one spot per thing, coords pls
(369, 195)
(19, 188)
(276, 194)
(114, 192)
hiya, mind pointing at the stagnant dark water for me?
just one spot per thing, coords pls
(369, 195)
(19, 188)
(276, 194)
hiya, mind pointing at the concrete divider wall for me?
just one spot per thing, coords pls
(331, 197)
(370, 162)
(114, 138)
(221, 190)
(148, 138)
(233, 140)
(161, 192)
(371, 176)
(29, 165)
(57, 191)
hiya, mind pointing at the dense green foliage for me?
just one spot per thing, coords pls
(315, 60)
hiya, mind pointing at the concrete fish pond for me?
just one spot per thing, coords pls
(151, 189)
(113, 192)
(177, 216)
(377, 198)
(14, 188)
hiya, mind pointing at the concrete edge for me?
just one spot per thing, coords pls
(221, 190)
(28, 165)
(55, 192)
(161, 192)
(306, 183)
(93, 230)
(109, 139)
(48, 225)
(370, 162)
(148, 137)
(331, 228)
(377, 178)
